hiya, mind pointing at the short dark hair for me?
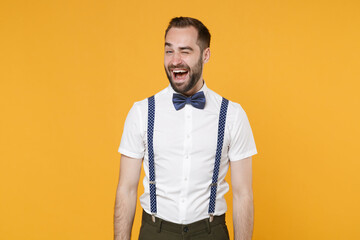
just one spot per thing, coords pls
(203, 33)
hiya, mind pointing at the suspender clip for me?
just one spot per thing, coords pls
(153, 217)
(213, 184)
(152, 182)
(211, 217)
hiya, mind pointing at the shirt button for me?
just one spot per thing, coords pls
(188, 116)
(188, 136)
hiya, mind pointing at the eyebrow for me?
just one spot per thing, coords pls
(181, 48)
(186, 48)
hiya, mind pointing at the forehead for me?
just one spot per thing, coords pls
(182, 36)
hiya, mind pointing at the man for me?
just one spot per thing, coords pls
(186, 136)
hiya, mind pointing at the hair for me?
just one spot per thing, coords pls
(203, 33)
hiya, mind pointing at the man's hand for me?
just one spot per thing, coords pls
(243, 206)
(126, 196)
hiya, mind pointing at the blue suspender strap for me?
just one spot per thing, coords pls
(150, 133)
(220, 140)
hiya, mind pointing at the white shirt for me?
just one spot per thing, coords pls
(184, 148)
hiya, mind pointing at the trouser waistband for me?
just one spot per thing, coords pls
(204, 224)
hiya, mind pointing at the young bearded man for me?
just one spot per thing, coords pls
(186, 136)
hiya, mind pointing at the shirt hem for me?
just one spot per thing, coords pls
(130, 154)
(244, 155)
(217, 213)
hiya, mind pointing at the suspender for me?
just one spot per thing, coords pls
(220, 140)
(150, 133)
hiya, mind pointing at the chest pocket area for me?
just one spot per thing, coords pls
(168, 135)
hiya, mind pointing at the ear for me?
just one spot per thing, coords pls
(206, 55)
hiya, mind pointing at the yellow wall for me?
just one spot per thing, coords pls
(70, 71)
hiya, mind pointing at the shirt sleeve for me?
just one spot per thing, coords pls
(132, 144)
(242, 144)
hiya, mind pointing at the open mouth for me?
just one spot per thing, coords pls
(179, 74)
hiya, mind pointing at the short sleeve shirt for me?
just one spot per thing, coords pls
(184, 148)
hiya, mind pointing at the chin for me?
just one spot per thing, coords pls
(178, 88)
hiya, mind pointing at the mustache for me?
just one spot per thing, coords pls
(170, 67)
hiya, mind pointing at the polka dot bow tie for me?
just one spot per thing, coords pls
(197, 100)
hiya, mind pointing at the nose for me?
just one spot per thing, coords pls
(176, 59)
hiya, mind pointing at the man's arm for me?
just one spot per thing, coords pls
(243, 206)
(126, 196)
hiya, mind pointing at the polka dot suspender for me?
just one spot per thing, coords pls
(220, 140)
(150, 133)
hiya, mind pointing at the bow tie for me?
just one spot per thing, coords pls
(197, 100)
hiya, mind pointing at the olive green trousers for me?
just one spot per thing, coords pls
(201, 230)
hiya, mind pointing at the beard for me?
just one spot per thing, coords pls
(194, 76)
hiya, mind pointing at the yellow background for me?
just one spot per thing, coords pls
(71, 70)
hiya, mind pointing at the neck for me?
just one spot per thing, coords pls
(195, 89)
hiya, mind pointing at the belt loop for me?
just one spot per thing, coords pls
(208, 225)
(159, 225)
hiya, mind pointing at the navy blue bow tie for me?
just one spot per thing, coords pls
(197, 100)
